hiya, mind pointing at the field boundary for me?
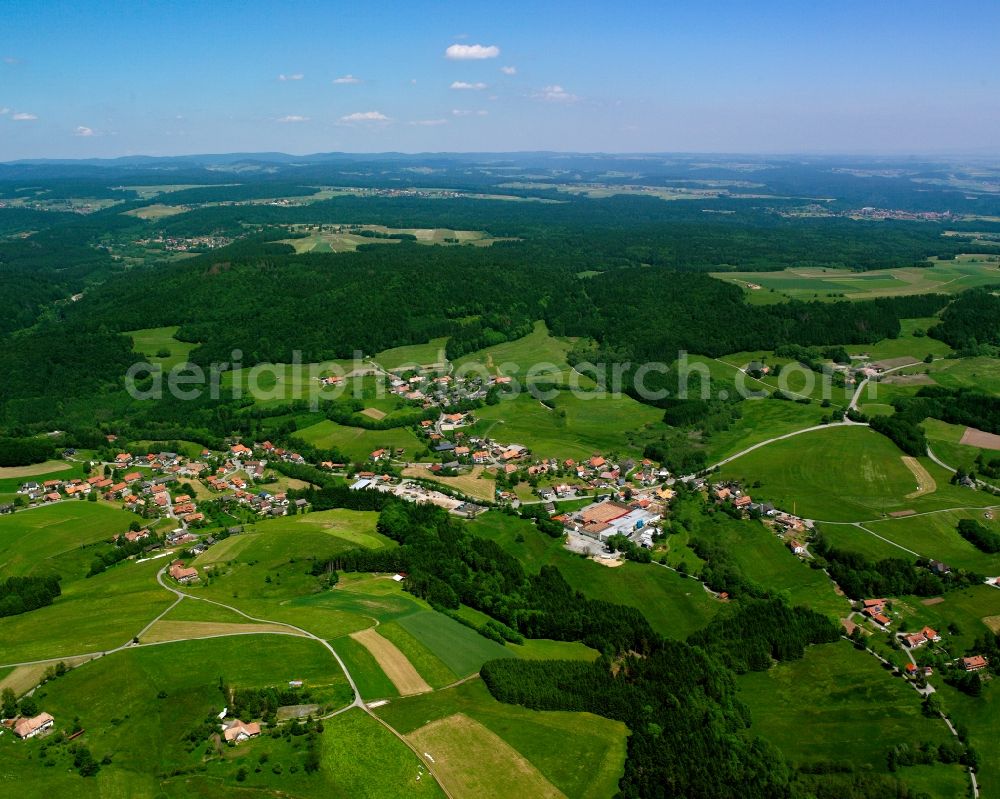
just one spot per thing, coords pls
(393, 662)
(468, 757)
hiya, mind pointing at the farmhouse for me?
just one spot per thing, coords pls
(974, 663)
(29, 728)
(181, 573)
(238, 731)
(915, 640)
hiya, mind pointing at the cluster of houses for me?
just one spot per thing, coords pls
(264, 503)
(875, 609)
(185, 244)
(920, 638)
(432, 390)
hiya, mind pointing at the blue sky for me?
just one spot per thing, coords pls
(97, 79)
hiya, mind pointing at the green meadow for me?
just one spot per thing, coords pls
(524, 357)
(92, 615)
(806, 283)
(138, 707)
(358, 443)
(44, 540)
(843, 473)
(838, 704)
(412, 355)
(152, 341)
(981, 716)
(981, 374)
(935, 535)
(581, 754)
(761, 420)
(576, 427)
(764, 558)
(945, 441)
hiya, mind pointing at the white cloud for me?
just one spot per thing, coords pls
(429, 123)
(365, 116)
(508, 70)
(463, 85)
(9, 59)
(292, 118)
(471, 52)
(296, 76)
(346, 79)
(464, 112)
(21, 116)
(83, 130)
(555, 94)
(4, 110)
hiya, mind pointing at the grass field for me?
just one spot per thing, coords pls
(844, 473)
(150, 341)
(804, 283)
(576, 428)
(357, 443)
(906, 344)
(412, 355)
(394, 664)
(935, 536)
(847, 536)
(139, 705)
(44, 540)
(372, 682)
(761, 420)
(472, 484)
(470, 760)
(981, 374)
(341, 239)
(20, 474)
(266, 572)
(838, 704)
(537, 354)
(92, 615)
(461, 649)
(12, 477)
(675, 606)
(169, 630)
(764, 558)
(582, 755)
(945, 440)
(981, 715)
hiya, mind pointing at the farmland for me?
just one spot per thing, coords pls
(837, 704)
(843, 473)
(341, 238)
(576, 427)
(160, 347)
(166, 691)
(965, 271)
(580, 754)
(356, 442)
